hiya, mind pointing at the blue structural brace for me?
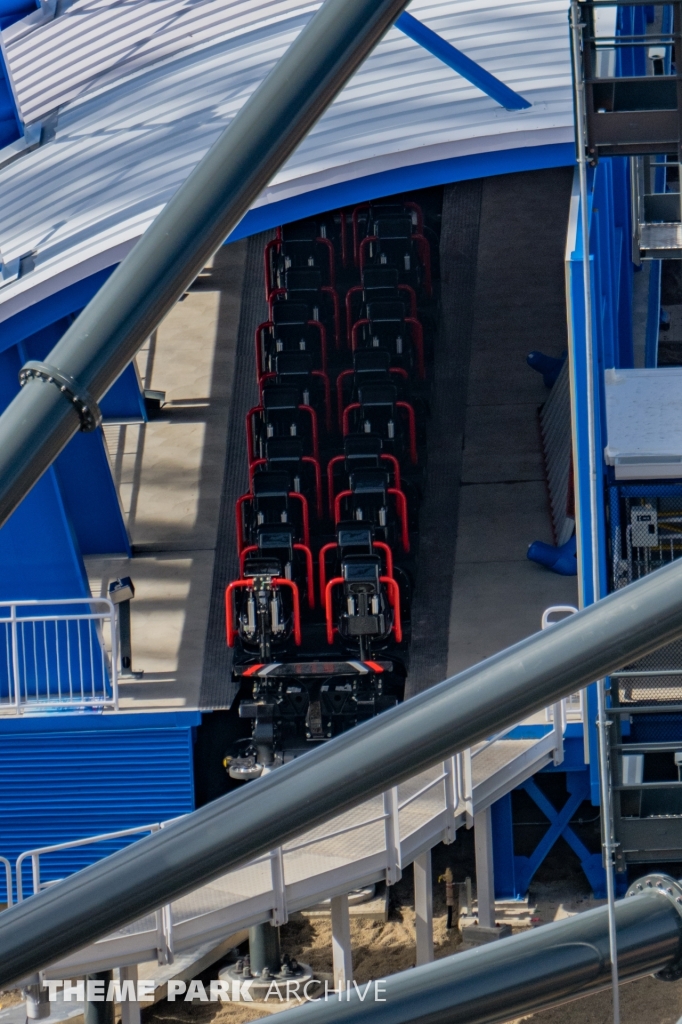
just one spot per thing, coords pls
(513, 873)
(459, 62)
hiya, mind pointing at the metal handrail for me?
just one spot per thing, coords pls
(424, 789)
(43, 667)
(8, 877)
(493, 739)
(350, 769)
(333, 835)
(36, 853)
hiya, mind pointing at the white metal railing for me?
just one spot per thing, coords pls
(39, 851)
(571, 708)
(384, 848)
(369, 842)
(8, 879)
(53, 653)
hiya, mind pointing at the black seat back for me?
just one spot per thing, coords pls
(290, 313)
(271, 484)
(281, 396)
(375, 395)
(256, 566)
(369, 481)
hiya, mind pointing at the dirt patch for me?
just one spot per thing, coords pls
(12, 998)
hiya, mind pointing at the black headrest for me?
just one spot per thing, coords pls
(305, 280)
(393, 227)
(380, 310)
(254, 566)
(301, 231)
(290, 313)
(368, 360)
(379, 277)
(354, 535)
(387, 210)
(271, 484)
(361, 568)
(284, 449)
(275, 537)
(358, 445)
(281, 396)
(368, 481)
(377, 394)
(297, 363)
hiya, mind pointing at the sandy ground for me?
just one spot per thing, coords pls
(383, 948)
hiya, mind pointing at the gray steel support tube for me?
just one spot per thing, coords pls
(211, 202)
(519, 975)
(341, 773)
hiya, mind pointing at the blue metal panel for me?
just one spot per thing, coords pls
(460, 63)
(10, 124)
(577, 784)
(503, 850)
(91, 497)
(47, 311)
(632, 21)
(583, 512)
(124, 399)
(83, 469)
(38, 550)
(65, 777)
(653, 315)
(403, 179)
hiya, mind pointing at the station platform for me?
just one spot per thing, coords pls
(169, 474)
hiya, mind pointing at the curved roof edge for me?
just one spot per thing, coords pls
(26, 312)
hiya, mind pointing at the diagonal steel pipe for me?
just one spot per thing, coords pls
(348, 769)
(61, 395)
(532, 971)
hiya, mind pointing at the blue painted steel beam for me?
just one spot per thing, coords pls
(459, 62)
(578, 787)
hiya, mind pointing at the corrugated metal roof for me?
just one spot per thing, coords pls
(133, 132)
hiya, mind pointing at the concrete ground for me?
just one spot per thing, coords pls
(169, 473)
(498, 596)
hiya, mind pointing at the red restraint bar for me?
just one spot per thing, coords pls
(424, 255)
(230, 628)
(335, 303)
(393, 597)
(327, 392)
(359, 288)
(365, 206)
(318, 478)
(276, 244)
(310, 577)
(349, 373)
(345, 425)
(416, 333)
(249, 497)
(401, 502)
(259, 409)
(388, 554)
(395, 466)
(267, 324)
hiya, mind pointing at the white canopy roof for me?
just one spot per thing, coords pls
(131, 93)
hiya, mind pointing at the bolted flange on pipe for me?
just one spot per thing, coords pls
(532, 971)
(61, 395)
(349, 769)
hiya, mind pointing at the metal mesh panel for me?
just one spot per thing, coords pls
(665, 687)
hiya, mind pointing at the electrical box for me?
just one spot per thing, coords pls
(644, 522)
(121, 590)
